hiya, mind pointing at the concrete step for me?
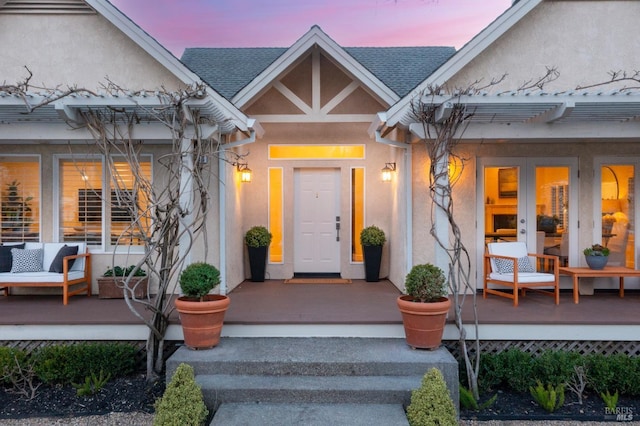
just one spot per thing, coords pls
(312, 356)
(310, 415)
(308, 389)
(304, 373)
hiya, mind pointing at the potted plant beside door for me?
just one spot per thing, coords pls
(201, 313)
(372, 239)
(258, 239)
(425, 306)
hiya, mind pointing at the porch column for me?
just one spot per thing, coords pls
(186, 199)
(440, 219)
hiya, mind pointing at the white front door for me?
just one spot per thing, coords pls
(316, 213)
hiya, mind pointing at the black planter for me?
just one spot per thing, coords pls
(372, 259)
(257, 262)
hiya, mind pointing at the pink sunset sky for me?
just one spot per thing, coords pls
(279, 23)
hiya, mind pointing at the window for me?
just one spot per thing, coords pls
(275, 214)
(357, 212)
(20, 198)
(89, 194)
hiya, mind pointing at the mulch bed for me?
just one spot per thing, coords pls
(126, 394)
(521, 406)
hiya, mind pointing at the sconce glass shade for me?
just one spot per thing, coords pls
(387, 170)
(245, 173)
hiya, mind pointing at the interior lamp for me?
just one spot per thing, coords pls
(245, 172)
(387, 170)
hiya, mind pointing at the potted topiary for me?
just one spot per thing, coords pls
(201, 313)
(596, 256)
(372, 239)
(425, 306)
(111, 283)
(257, 240)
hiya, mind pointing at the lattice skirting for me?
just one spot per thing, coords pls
(536, 347)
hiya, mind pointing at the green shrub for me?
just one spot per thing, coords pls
(68, 364)
(613, 372)
(11, 361)
(517, 369)
(550, 398)
(198, 279)
(431, 404)
(372, 236)
(258, 236)
(555, 367)
(182, 403)
(426, 283)
(490, 376)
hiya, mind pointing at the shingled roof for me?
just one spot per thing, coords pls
(228, 70)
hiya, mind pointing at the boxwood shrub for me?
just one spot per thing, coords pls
(67, 364)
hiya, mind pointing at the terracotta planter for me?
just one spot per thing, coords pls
(202, 321)
(111, 287)
(423, 322)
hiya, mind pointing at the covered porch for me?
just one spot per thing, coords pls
(360, 309)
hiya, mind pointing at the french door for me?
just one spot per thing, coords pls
(528, 200)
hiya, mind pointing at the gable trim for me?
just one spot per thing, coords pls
(314, 38)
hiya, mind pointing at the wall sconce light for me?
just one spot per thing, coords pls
(245, 172)
(387, 170)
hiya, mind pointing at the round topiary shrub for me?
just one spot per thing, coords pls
(425, 283)
(372, 236)
(182, 403)
(258, 236)
(431, 403)
(198, 279)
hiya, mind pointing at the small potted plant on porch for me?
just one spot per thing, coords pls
(257, 240)
(201, 313)
(596, 256)
(425, 306)
(372, 239)
(111, 283)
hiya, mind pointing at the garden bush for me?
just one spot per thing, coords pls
(431, 403)
(8, 367)
(182, 403)
(518, 370)
(68, 364)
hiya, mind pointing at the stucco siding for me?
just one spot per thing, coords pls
(583, 40)
(76, 50)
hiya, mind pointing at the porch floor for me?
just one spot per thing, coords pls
(275, 304)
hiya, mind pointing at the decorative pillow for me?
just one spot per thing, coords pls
(5, 256)
(505, 266)
(27, 260)
(65, 250)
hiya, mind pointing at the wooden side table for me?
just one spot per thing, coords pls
(609, 271)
